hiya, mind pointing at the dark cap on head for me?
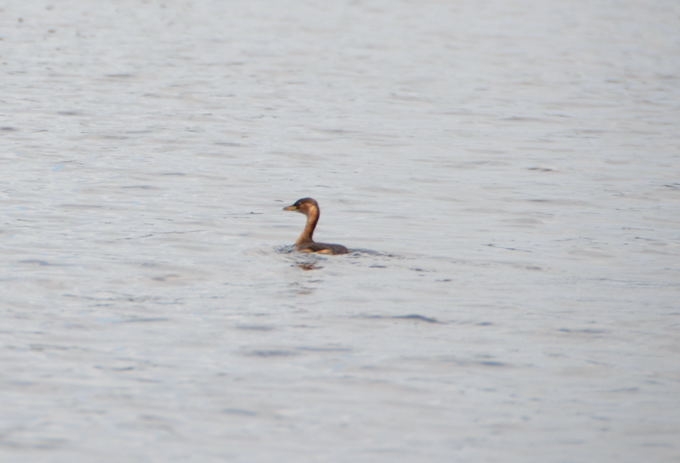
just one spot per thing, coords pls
(300, 202)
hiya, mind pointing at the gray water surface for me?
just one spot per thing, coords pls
(507, 172)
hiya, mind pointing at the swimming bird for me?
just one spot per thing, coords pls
(305, 243)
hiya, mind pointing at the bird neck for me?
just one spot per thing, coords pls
(308, 232)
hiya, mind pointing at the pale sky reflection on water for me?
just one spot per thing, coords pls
(506, 171)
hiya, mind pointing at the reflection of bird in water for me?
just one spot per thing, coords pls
(305, 243)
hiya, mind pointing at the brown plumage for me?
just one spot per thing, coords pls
(305, 243)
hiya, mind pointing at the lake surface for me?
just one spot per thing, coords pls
(507, 174)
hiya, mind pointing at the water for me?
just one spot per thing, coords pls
(507, 172)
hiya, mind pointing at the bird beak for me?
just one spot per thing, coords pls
(290, 208)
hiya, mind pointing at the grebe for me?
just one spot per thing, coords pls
(305, 243)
